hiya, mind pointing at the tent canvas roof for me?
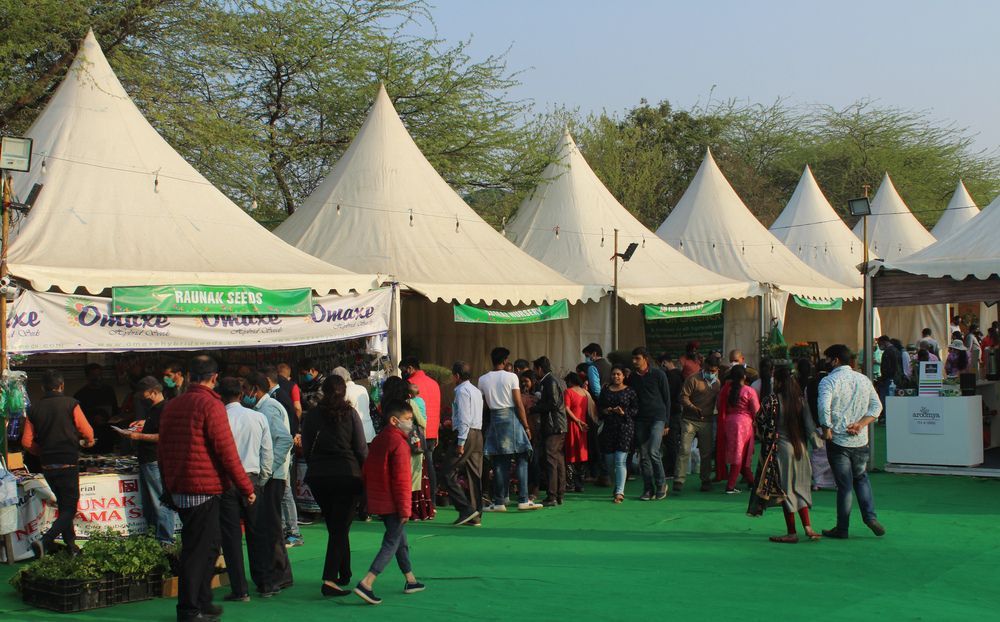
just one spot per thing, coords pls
(120, 207)
(384, 208)
(812, 229)
(573, 200)
(712, 226)
(961, 209)
(970, 250)
(893, 231)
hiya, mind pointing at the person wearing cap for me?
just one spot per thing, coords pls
(958, 359)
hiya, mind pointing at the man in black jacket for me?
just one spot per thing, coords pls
(653, 390)
(552, 410)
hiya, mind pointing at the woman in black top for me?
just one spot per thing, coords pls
(333, 442)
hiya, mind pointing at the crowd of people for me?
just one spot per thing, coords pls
(215, 451)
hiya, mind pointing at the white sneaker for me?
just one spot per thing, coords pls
(530, 505)
(493, 507)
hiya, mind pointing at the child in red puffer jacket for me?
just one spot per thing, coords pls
(387, 484)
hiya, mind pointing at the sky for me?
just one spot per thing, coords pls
(938, 57)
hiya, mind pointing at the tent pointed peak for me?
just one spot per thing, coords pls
(961, 198)
(961, 209)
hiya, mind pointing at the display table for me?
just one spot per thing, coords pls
(944, 431)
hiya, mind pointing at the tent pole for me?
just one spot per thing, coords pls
(614, 298)
(868, 337)
(396, 328)
(7, 199)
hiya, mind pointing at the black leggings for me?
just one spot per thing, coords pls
(339, 507)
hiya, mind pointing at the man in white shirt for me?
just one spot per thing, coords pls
(253, 444)
(508, 437)
(357, 396)
(467, 457)
(847, 404)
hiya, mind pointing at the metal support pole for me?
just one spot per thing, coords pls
(614, 299)
(869, 339)
(396, 328)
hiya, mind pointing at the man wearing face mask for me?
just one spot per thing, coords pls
(255, 396)
(698, 397)
(310, 384)
(198, 461)
(160, 519)
(173, 380)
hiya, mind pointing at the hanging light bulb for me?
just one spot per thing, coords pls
(156, 181)
(557, 232)
(456, 223)
(682, 243)
(411, 217)
(43, 166)
(602, 237)
(644, 241)
(338, 209)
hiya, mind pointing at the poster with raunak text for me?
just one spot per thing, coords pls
(49, 322)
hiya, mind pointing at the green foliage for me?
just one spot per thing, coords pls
(441, 375)
(105, 553)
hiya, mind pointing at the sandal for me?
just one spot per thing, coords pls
(812, 535)
(619, 498)
(789, 538)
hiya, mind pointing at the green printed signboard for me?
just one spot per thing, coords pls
(819, 305)
(666, 312)
(672, 334)
(531, 315)
(209, 300)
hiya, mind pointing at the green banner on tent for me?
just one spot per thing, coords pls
(668, 312)
(820, 305)
(542, 313)
(209, 300)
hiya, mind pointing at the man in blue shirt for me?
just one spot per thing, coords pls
(847, 404)
(255, 396)
(467, 458)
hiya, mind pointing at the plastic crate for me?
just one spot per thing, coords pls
(68, 595)
(130, 589)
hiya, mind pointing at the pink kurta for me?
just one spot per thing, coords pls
(739, 425)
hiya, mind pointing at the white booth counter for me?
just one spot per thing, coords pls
(939, 431)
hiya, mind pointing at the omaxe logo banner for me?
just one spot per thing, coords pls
(51, 322)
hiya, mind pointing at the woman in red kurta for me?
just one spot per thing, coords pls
(738, 404)
(577, 406)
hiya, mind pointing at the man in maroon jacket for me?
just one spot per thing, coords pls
(198, 461)
(387, 484)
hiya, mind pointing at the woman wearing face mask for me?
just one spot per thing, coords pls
(146, 434)
(617, 408)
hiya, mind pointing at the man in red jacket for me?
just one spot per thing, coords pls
(387, 483)
(430, 392)
(198, 461)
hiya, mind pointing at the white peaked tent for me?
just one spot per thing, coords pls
(574, 202)
(893, 231)
(961, 209)
(971, 250)
(384, 208)
(712, 226)
(120, 207)
(812, 229)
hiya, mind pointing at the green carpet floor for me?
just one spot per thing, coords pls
(693, 556)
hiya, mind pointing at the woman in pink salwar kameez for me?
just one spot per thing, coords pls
(738, 404)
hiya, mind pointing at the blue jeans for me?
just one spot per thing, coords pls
(289, 514)
(649, 439)
(501, 478)
(393, 544)
(848, 465)
(616, 464)
(159, 518)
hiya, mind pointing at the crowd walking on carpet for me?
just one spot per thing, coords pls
(217, 452)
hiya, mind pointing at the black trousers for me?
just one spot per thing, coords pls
(233, 508)
(555, 462)
(338, 505)
(273, 535)
(200, 540)
(65, 485)
(469, 465)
